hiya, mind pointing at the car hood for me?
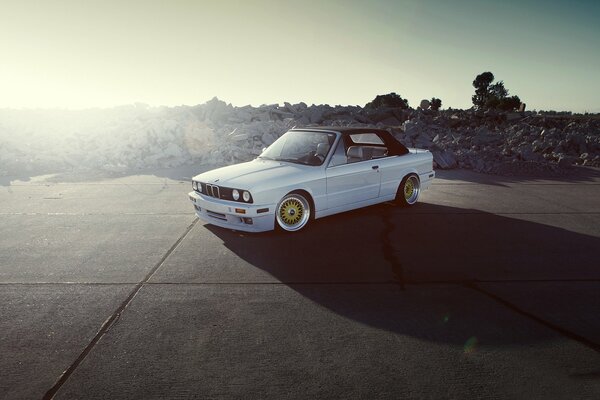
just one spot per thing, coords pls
(250, 175)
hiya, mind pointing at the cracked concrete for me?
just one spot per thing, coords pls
(370, 303)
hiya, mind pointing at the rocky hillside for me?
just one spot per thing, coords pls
(139, 137)
(513, 143)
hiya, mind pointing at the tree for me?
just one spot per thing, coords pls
(436, 103)
(509, 103)
(481, 84)
(388, 100)
(492, 96)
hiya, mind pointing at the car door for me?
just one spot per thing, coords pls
(351, 182)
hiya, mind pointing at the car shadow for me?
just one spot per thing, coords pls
(409, 270)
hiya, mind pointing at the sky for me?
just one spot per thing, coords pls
(82, 54)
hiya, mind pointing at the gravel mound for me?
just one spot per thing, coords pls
(138, 137)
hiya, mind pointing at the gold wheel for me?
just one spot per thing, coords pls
(293, 212)
(409, 190)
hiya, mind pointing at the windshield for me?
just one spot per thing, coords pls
(301, 147)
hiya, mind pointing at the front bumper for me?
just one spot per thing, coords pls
(228, 214)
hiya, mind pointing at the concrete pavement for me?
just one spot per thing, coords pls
(488, 288)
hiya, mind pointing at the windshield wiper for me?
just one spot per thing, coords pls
(292, 160)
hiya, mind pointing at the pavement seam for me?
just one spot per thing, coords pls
(384, 282)
(484, 213)
(515, 184)
(388, 282)
(564, 332)
(181, 183)
(100, 184)
(93, 214)
(114, 317)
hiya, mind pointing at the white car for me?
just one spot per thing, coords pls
(311, 173)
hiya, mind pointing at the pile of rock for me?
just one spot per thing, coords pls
(527, 143)
(140, 137)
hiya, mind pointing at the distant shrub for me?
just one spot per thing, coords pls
(436, 103)
(388, 100)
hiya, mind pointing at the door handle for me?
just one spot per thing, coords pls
(375, 167)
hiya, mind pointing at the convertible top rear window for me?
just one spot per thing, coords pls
(366, 138)
(378, 138)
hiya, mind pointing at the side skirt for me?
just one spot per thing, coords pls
(353, 206)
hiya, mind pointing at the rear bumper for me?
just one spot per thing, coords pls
(426, 179)
(233, 215)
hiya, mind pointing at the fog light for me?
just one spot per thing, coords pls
(248, 221)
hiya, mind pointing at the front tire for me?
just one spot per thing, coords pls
(408, 191)
(293, 212)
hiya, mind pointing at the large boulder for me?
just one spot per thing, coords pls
(445, 159)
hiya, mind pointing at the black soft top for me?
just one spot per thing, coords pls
(395, 148)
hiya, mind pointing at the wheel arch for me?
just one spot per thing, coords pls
(308, 196)
(405, 174)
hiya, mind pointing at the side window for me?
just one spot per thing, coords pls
(363, 147)
(371, 147)
(339, 156)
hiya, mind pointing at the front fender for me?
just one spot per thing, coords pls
(316, 189)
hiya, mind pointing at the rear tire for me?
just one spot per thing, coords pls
(408, 191)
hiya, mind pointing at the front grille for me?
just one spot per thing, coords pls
(226, 193)
(217, 191)
(213, 190)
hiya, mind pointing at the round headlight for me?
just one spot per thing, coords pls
(194, 185)
(246, 196)
(235, 194)
(199, 187)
